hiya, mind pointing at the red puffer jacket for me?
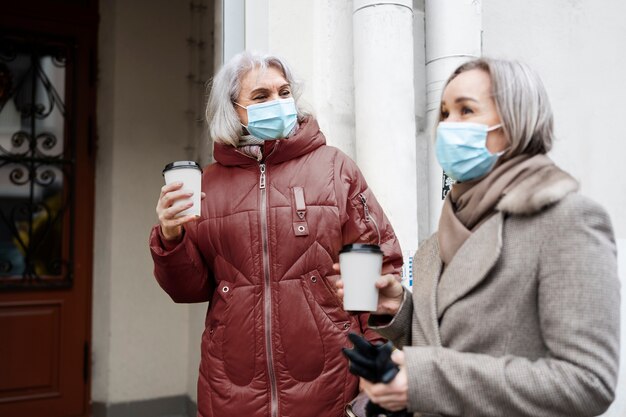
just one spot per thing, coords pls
(262, 253)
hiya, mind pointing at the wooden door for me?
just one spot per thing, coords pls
(47, 146)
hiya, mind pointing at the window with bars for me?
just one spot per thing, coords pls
(36, 163)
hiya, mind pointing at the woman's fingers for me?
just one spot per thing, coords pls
(170, 187)
(389, 283)
(168, 199)
(390, 294)
(168, 211)
(170, 220)
(173, 211)
(398, 357)
(338, 283)
(392, 396)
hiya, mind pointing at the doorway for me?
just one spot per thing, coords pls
(47, 159)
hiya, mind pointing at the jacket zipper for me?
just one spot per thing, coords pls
(368, 216)
(267, 296)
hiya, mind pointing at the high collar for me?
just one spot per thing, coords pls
(305, 140)
(545, 187)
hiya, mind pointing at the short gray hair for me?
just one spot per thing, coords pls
(521, 102)
(221, 116)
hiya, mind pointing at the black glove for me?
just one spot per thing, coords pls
(373, 362)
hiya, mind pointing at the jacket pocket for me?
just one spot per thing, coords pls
(233, 324)
(324, 296)
(219, 303)
(214, 321)
(301, 336)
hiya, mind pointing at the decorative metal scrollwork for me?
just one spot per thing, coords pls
(23, 144)
(18, 176)
(36, 166)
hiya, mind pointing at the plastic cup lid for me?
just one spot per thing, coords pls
(361, 248)
(182, 165)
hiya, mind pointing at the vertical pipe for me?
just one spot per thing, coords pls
(453, 36)
(385, 108)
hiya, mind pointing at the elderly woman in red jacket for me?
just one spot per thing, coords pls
(279, 206)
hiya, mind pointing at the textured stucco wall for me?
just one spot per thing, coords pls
(140, 337)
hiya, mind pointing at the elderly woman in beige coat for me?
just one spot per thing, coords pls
(515, 302)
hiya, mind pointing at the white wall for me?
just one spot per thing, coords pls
(140, 337)
(578, 48)
(315, 37)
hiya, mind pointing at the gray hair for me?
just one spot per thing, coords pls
(521, 102)
(221, 116)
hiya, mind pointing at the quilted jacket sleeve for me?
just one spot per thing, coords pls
(364, 221)
(179, 268)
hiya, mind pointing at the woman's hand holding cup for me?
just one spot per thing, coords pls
(179, 202)
(390, 292)
(168, 213)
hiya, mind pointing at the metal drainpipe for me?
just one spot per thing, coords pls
(385, 109)
(453, 36)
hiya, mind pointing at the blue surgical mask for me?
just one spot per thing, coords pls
(271, 120)
(462, 151)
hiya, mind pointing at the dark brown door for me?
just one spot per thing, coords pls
(47, 107)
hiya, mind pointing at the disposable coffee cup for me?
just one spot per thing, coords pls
(190, 174)
(361, 265)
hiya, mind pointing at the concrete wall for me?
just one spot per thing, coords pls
(577, 46)
(140, 337)
(315, 37)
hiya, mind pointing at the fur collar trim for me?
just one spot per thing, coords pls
(544, 188)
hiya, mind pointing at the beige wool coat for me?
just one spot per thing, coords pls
(525, 319)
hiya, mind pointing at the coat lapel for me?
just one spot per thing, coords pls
(471, 263)
(427, 264)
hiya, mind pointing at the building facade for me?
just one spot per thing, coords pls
(372, 72)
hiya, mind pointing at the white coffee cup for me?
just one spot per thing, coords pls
(190, 174)
(361, 265)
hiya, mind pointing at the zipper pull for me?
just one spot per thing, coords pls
(262, 179)
(366, 210)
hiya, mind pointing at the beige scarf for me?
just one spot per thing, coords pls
(470, 204)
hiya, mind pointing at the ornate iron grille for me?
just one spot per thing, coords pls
(36, 164)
